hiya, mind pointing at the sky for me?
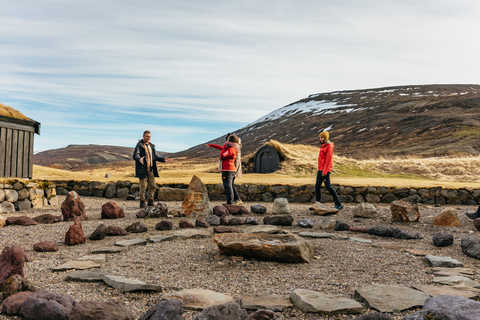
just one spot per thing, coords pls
(102, 72)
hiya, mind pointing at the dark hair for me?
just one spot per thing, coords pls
(233, 138)
(228, 135)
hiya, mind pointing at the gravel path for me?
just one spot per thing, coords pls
(340, 266)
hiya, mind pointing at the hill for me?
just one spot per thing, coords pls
(423, 120)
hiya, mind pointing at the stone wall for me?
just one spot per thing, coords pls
(267, 193)
(18, 196)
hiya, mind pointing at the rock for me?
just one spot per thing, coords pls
(458, 282)
(171, 194)
(226, 311)
(113, 231)
(476, 223)
(23, 205)
(113, 249)
(271, 247)
(271, 302)
(374, 316)
(86, 276)
(137, 227)
(45, 246)
(47, 219)
(235, 209)
(78, 265)
(283, 220)
(3, 220)
(129, 285)
(252, 221)
(101, 310)
(305, 223)
(196, 201)
(95, 258)
(365, 210)
(447, 218)
(442, 239)
(12, 261)
(404, 212)
(111, 210)
(21, 221)
(7, 207)
(99, 233)
(446, 272)
(193, 233)
(223, 221)
(74, 235)
(258, 209)
(11, 195)
(198, 299)
(389, 298)
(329, 304)
(156, 239)
(157, 211)
(264, 229)
(441, 261)
(213, 220)
(131, 242)
(358, 229)
(225, 230)
(73, 207)
(201, 223)
(434, 291)
(220, 211)
(320, 209)
(165, 310)
(428, 314)
(265, 315)
(47, 305)
(341, 226)
(454, 306)
(16, 284)
(11, 305)
(280, 206)
(471, 247)
(164, 225)
(111, 190)
(236, 221)
(319, 235)
(399, 234)
(185, 224)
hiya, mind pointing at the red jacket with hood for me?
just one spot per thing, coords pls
(325, 157)
(228, 153)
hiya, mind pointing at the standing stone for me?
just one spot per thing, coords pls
(226, 311)
(329, 304)
(280, 206)
(471, 247)
(99, 233)
(12, 261)
(447, 218)
(403, 211)
(73, 207)
(196, 201)
(105, 310)
(111, 210)
(75, 234)
(442, 239)
(165, 310)
(365, 210)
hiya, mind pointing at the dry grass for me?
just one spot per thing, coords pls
(298, 168)
(10, 112)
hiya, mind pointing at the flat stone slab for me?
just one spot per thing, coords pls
(86, 276)
(447, 272)
(274, 302)
(264, 229)
(320, 235)
(390, 298)
(78, 265)
(131, 243)
(129, 285)
(434, 291)
(156, 239)
(329, 304)
(458, 282)
(389, 245)
(416, 252)
(193, 233)
(109, 250)
(360, 240)
(442, 261)
(93, 257)
(198, 299)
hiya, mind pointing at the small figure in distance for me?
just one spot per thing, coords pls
(231, 166)
(146, 170)
(325, 160)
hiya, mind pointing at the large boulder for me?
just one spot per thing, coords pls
(196, 201)
(271, 247)
(101, 310)
(111, 210)
(74, 235)
(447, 218)
(46, 305)
(73, 207)
(403, 211)
(165, 310)
(12, 261)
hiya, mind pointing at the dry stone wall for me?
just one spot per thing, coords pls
(18, 195)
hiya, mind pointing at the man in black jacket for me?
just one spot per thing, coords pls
(146, 167)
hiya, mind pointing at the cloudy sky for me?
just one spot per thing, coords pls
(102, 72)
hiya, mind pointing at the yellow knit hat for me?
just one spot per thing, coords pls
(324, 134)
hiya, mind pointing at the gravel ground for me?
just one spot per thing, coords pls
(340, 266)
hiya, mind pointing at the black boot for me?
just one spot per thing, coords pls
(475, 215)
(143, 204)
(150, 202)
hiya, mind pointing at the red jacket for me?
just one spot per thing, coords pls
(227, 155)
(325, 157)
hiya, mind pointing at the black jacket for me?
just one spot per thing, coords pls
(138, 153)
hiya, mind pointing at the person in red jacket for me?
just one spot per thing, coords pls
(325, 160)
(231, 166)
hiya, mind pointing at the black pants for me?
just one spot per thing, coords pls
(318, 185)
(228, 178)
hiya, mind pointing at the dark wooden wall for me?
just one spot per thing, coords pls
(16, 150)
